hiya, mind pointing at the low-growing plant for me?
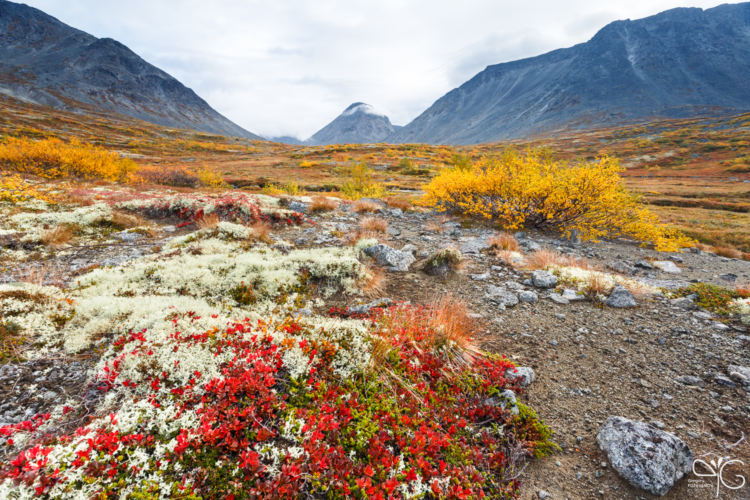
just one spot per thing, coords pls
(714, 298)
(373, 224)
(400, 203)
(323, 204)
(730, 253)
(363, 206)
(532, 190)
(504, 241)
(210, 221)
(439, 263)
(57, 236)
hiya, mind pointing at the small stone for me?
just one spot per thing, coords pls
(553, 343)
(621, 267)
(560, 316)
(396, 260)
(502, 296)
(169, 229)
(667, 266)
(724, 381)
(643, 264)
(572, 295)
(524, 374)
(740, 373)
(558, 299)
(691, 381)
(658, 424)
(645, 383)
(731, 278)
(128, 237)
(528, 297)
(506, 400)
(541, 495)
(480, 277)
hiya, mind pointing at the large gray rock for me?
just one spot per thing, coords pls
(395, 260)
(690, 380)
(365, 308)
(528, 297)
(544, 279)
(683, 303)
(523, 374)
(621, 267)
(621, 298)
(649, 458)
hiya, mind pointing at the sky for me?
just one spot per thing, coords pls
(289, 67)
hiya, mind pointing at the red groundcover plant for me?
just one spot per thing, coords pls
(407, 424)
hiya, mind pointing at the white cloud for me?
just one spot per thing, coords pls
(292, 66)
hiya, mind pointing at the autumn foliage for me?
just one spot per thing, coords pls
(531, 190)
(53, 158)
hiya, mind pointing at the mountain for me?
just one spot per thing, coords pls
(360, 123)
(682, 62)
(45, 61)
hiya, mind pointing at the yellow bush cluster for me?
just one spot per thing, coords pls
(13, 189)
(359, 183)
(531, 190)
(52, 158)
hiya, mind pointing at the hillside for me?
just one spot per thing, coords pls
(360, 123)
(680, 63)
(45, 61)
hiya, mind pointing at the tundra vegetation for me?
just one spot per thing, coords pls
(219, 369)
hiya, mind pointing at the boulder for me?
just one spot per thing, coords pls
(528, 297)
(395, 260)
(667, 267)
(643, 264)
(648, 458)
(543, 279)
(474, 246)
(523, 374)
(620, 298)
(530, 246)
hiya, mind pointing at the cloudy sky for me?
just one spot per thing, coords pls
(288, 67)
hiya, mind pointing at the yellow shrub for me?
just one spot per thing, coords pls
(360, 184)
(52, 158)
(533, 191)
(13, 189)
(209, 178)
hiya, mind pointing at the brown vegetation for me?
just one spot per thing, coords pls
(373, 224)
(58, 235)
(323, 204)
(363, 206)
(504, 241)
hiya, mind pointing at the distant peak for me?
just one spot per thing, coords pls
(361, 107)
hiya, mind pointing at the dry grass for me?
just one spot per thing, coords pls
(597, 284)
(210, 221)
(504, 241)
(58, 235)
(435, 227)
(353, 237)
(261, 231)
(77, 199)
(703, 247)
(373, 224)
(543, 259)
(373, 282)
(323, 204)
(43, 275)
(444, 326)
(363, 206)
(400, 203)
(729, 253)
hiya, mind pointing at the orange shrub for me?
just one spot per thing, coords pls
(373, 224)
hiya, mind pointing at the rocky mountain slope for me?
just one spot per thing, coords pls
(48, 62)
(360, 123)
(678, 63)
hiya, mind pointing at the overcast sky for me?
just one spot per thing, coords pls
(291, 66)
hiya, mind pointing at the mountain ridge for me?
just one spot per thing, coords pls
(45, 61)
(667, 65)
